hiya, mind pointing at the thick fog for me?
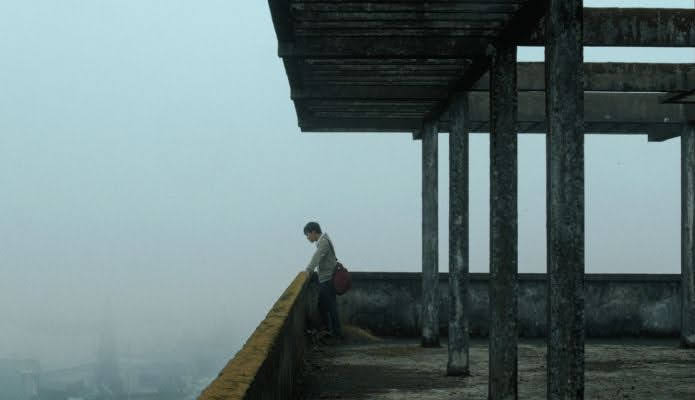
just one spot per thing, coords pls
(154, 183)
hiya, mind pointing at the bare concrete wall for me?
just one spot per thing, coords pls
(269, 363)
(616, 304)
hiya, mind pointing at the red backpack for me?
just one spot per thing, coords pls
(341, 277)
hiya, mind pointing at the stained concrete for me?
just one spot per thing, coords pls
(504, 286)
(564, 91)
(688, 234)
(616, 305)
(268, 365)
(458, 237)
(430, 238)
(398, 369)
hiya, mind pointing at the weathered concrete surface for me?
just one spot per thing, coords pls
(634, 27)
(625, 113)
(389, 304)
(688, 235)
(503, 225)
(400, 369)
(430, 241)
(565, 198)
(351, 38)
(457, 364)
(268, 365)
(357, 66)
(608, 77)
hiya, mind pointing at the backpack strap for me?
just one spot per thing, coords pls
(332, 248)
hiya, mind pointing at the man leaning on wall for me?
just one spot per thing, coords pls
(325, 261)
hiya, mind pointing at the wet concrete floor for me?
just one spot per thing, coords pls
(400, 368)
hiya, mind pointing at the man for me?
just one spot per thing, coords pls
(325, 261)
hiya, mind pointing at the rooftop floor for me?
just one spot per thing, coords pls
(400, 368)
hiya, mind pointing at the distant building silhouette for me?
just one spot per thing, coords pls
(19, 379)
(107, 375)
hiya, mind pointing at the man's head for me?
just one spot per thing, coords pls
(312, 231)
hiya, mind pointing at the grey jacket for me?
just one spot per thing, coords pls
(324, 259)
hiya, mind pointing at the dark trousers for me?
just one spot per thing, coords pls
(328, 308)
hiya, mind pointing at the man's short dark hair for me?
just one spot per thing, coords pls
(312, 227)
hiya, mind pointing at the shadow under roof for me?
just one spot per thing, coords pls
(385, 66)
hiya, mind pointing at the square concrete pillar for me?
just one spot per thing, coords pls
(565, 198)
(430, 241)
(688, 235)
(458, 363)
(503, 225)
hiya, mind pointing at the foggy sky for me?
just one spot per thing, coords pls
(150, 159)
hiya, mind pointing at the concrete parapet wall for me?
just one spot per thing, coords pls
(616, 304)
(268, 364)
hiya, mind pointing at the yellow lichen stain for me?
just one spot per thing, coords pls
(237, 376)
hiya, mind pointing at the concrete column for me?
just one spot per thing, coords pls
(458, 364)
(503, 225)
(565, 198)
(688, 236)
(430, 256)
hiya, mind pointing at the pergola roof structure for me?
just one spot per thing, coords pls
(420, 66)
(386, 66)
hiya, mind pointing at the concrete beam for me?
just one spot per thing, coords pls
(604, 112)
(611, 77)
(688, 235)
(662, 134)
(376, 9)
(458, 341)
(329, 46)
(655, 132)
(565, 199)
(598, 107)
(503, 226)
(282, 20)
(430, 241)
(682, 97)
(636, 29)
(632, 27)
(601, 77)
